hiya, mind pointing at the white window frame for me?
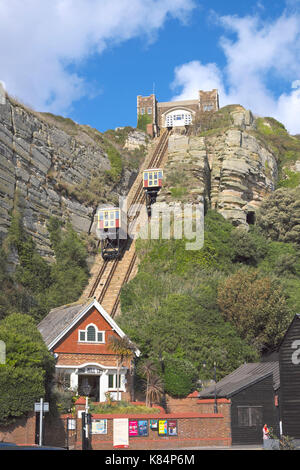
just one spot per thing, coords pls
(85, 335)
(149, 110)
(114, 387)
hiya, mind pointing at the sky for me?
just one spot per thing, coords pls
(89, 59)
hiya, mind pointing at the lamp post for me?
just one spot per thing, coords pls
(85, 428)
(215, 388)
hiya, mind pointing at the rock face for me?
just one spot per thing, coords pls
(135, 140)
(38, 163)
(230, 169)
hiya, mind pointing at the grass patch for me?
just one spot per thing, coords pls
(178, 192)
(289, 179)
(122, 407)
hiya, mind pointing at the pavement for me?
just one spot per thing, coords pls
(216, 448)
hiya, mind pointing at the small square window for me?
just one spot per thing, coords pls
(149, 110)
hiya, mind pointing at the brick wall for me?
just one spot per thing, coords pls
(182, 405)
(194, 429)
(21, 432)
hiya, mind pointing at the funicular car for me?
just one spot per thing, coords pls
(152, 183)
(111, 232)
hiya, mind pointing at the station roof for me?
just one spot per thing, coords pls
(243, 377)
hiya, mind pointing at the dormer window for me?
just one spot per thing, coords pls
(91, 335)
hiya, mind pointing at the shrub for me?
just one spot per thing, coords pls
(179, 377)
(279, 216)
(257, 306)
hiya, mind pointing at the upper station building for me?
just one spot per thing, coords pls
(175, 113)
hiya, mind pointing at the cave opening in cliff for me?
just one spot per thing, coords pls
(250, 218)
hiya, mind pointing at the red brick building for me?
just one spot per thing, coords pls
(79, 337)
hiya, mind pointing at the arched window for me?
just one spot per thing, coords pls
(91, 335)
(179, 117)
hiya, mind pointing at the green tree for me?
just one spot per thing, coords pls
(279, 216)
(256, 306)
(248, 247)
(26, 376)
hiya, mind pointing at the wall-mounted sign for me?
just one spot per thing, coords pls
(133, 428)
(162, 427)
(120, 432)
(154, 424)
(143, 427)
(172, 427)
(90, 370)
(45, 405)
(99, 426)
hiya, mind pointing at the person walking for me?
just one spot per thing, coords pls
(266, 436)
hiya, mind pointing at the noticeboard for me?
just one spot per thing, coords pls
(133, 428)
(162, 427)
(172, 427)
(99, 426)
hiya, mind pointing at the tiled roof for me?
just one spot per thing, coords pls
(58, 319)
(241, 378)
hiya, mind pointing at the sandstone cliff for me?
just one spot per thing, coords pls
(47, 166)
(229, 167)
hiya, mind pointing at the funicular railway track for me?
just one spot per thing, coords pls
(113, 274)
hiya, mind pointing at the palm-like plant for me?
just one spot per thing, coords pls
(123, 349)
(155, 389)
(148, 370)
(153, 383)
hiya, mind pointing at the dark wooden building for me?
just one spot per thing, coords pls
(253, 392)
(289, 366)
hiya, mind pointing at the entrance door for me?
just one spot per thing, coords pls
(94, 382)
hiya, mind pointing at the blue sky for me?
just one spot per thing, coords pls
(89, 59)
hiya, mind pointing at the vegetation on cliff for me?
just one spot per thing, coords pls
(37, 286)
(228, 303)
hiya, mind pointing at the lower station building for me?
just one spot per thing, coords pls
(79, 337)
(174, 113)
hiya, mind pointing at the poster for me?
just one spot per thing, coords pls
(162, 427)
(133, 428)
(154, 424)
(143, 427)
(172, 427)
(99, 426)
(120, 432)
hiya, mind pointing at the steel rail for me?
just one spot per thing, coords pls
(139, 196)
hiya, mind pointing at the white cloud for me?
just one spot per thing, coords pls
(260, 54)
(40, 40)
